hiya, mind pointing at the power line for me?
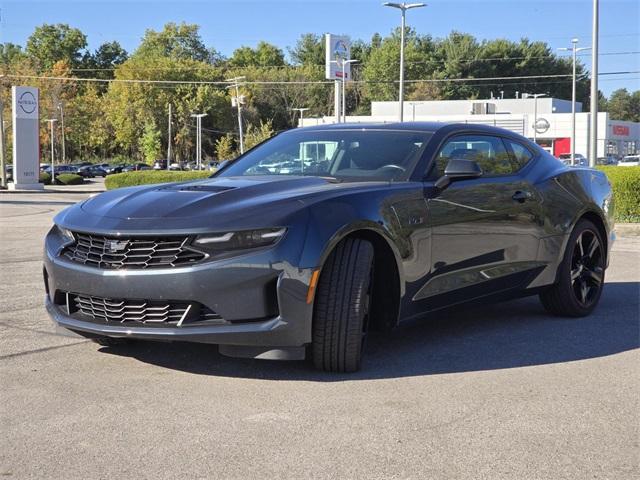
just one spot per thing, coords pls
(293, 67)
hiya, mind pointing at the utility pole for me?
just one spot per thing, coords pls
(593, 130)
(574, 48)
(169, 140)
(60, 107)
(301, 110)
(3, 168)
(239, 100)
(53, 168)
(403, 7)
(198, 117)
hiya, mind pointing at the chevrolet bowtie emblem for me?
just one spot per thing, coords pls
(112, 246)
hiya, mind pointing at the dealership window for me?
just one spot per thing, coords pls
(489, 152)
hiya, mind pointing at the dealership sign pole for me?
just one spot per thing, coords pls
(337, 51)
(26, 140)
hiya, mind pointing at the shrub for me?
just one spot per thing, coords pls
(145, 177)
(45, 178)
(69, 179)
(625, 182)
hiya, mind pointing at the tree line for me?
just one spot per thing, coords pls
(128, 119)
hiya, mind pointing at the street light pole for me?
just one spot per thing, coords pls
(403, 7)
(593, 131)
(301, 110)
(64, 155)
(3, 171)
(169, 139)
(198, 117)
(53, 168)
(574, 48)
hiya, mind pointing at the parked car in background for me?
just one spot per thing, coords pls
(400, 219)
(580, 160)
(58, 169)
(90, 171)
(608, 160)
(136, 167)
(98, 171)
(213, 165)
(630, 161)
(86, 171)
(160, 164)
(112, 169)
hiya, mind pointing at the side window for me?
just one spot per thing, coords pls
(521, 154)
(489, 152)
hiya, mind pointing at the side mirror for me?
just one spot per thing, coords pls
(459, 169)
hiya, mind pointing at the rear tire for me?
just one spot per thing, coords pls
(580, 275)
(341, 310)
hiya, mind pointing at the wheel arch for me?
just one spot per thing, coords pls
(385, 307)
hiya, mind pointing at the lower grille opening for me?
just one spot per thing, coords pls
(136, 312)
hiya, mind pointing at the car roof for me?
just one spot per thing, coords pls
(430, 127)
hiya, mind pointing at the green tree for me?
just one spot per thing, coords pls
(150, 143)
(309, 50)
(10, 53)
(264, 55)
(623, 105)
(256, 134)
(102, 63)
(225, 148)
(49, 44)
(178, 41)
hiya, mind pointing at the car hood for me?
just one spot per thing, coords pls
(201, 198)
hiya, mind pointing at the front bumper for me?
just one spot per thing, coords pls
(271, 332)
(262, 301)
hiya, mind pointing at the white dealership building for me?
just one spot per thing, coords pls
(553, 132)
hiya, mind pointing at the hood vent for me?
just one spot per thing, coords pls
(199, 188)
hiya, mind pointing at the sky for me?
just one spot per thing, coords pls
(227, 25)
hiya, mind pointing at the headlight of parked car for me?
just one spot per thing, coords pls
(221, 244)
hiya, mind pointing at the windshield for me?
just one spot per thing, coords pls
(347, 155)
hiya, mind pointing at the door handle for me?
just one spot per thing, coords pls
(521, 196)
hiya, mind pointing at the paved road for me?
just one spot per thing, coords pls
(503, 392)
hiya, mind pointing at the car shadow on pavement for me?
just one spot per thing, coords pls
(498, 336)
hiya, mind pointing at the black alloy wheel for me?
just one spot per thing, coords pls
(580, 274)
(587, 267)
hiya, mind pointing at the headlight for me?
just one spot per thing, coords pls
(221, 243)
(66, 234)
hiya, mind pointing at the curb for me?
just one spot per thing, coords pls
(623, 229)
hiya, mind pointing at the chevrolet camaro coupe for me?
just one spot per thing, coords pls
(317, 236)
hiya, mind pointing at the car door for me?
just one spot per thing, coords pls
(484, 231)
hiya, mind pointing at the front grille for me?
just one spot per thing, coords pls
(131, 253)
(146, 312)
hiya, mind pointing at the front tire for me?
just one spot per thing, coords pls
(580, 275)
(342, 303)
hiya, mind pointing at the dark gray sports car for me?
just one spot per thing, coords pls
(311, 239)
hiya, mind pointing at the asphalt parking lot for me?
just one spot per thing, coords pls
(503, 391)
